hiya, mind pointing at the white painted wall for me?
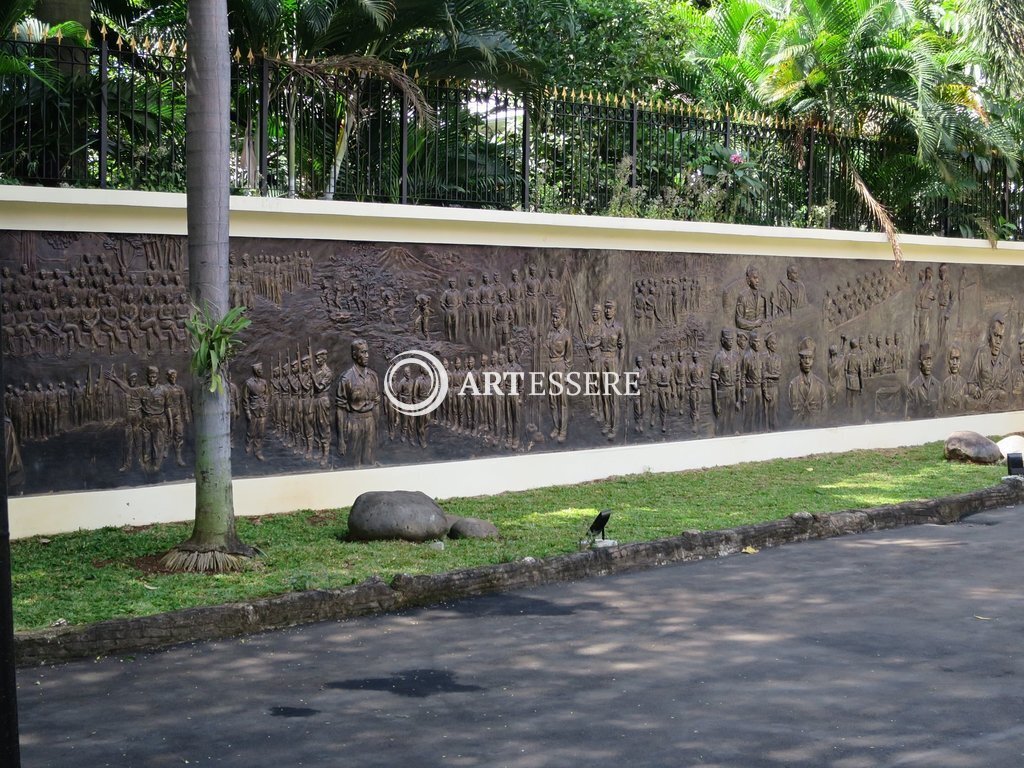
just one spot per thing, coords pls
(73, 210)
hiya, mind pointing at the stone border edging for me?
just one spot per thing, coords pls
(218, 622)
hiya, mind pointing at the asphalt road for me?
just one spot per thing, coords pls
(902, 648)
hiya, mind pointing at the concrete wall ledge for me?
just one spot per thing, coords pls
(149, 633)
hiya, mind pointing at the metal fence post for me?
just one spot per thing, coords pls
(811, 135)
(264, 129)
(525, 201)
(1006, 193)
(634, 125)
(104, 110)
(405, 149)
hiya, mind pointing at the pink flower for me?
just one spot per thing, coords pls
(736, 158)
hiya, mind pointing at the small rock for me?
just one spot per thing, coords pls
(473, 528)
(436, 544)
(971, 447)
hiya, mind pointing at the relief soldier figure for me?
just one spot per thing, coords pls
(725, 382)
(133, 417)
(502, 321)
(640, 396)
(924, 391)
(662, 379)
(771, 376)
(808, 395)
(854, 375)
(512, 402)
(613, 344)
(421, 317)
(989, 378)
(179, 414)
(558, 351)
(451, 303)
(532, 289)
(471, 308)
(155, 420)
(516, 295)
(792, 292)
(358, 401)
(255, 402)
(953, 397)
(486, 307)
(923, 302)
(322, 379)
(420, 392)
(945, 293)
(752, 376)
(751, 305)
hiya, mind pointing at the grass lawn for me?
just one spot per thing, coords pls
(93, 575)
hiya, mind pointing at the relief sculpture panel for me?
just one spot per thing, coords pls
(541, 349)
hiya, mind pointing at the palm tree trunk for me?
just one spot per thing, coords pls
(341, 145)
(214, 545)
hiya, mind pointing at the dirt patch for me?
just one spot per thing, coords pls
(322, 518)
(149, 564)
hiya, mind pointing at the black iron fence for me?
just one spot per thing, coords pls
(112, 116)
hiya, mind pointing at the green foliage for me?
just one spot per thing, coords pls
(612, 46)
(885, 69)
(719, 185)
(94, 575)
(818, 217)
(214, 343)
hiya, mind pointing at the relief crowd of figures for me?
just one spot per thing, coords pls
(741, 383)
(773, 353)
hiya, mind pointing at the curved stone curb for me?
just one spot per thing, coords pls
(375, 596)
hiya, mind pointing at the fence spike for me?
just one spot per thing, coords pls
(251, 57)
(87, 38)
(416, 75)
(59, 36)
(103, 31)
(119, 42)
(173, 49)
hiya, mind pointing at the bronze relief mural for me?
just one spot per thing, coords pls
(542, 350)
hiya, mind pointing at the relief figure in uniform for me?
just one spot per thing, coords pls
(358, 403)
(255, 402)
(808, 394)
(558, 351)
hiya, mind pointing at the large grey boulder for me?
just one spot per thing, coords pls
(972, 447)
(473, 528)
(406, 515)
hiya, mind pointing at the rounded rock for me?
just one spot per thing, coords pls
(405, 515)
(972, 447)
